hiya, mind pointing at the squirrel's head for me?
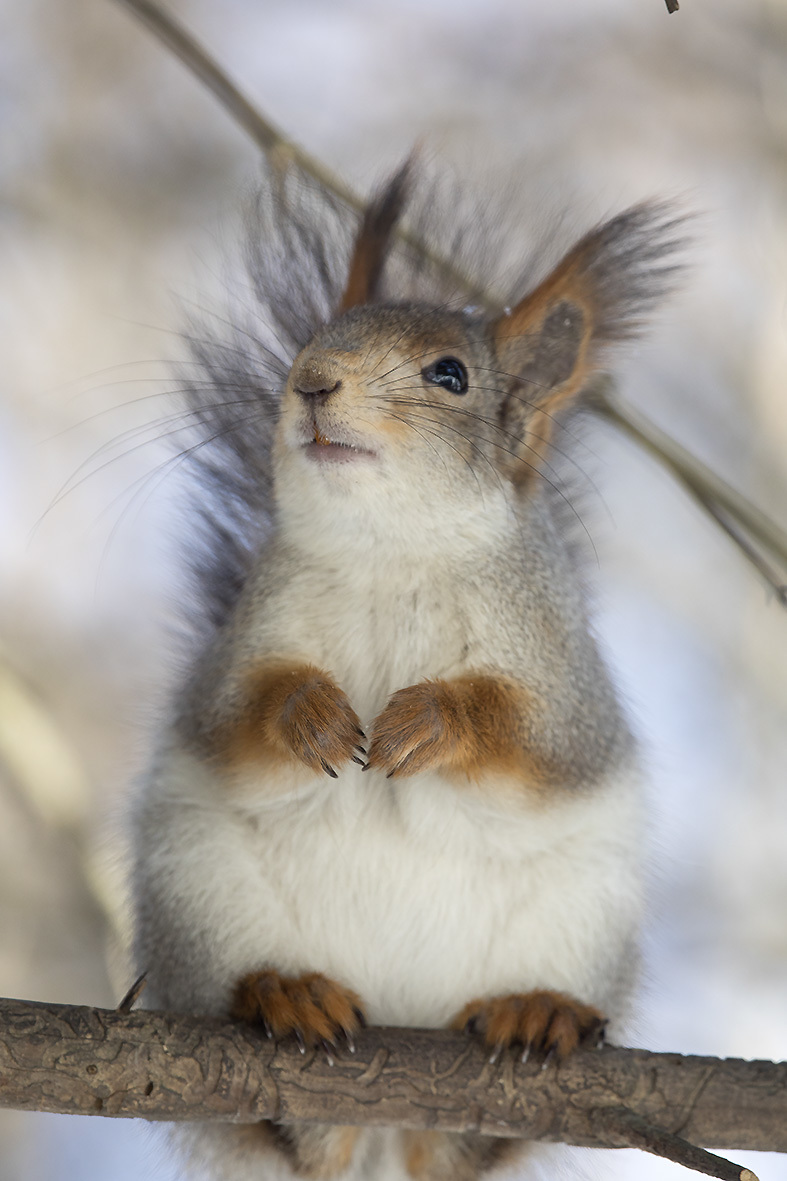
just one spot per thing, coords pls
(412, 414)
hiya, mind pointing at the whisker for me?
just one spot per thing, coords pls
(537, 470)
(412, 357)
(169, 394)
(162, 472)
(405, 422)
(552, 484)
(468, 439)
(387, 353)
(494, 427)
(282, 361)
(182, 418)
(437, 435)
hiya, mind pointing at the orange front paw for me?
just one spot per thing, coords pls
(422, 726)
(550, 1024)
(316, 723)
(311, 1007)
(291, 712)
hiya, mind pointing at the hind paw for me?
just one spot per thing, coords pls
(549, 1024)
(312, 1008)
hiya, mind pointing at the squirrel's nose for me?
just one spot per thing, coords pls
(320, 392)
(315, 380)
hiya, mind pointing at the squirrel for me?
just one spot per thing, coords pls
(397, 785)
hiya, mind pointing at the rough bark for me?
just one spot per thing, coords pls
(163, 1066)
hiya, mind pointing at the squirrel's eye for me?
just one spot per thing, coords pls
(447, 372)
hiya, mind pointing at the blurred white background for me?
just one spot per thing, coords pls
(120, 186)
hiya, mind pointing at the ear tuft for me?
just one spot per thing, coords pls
(561, 334)
(628, 265)
(374, 238)
(599, 294)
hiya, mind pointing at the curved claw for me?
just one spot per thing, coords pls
(496, 1052)
(549, 1057)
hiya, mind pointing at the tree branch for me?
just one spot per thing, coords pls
(164, 1066)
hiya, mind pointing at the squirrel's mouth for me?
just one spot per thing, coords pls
(324, 449)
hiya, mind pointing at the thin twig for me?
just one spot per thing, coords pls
(731, 528)
(265, 134)
(133, 994)
(635, 1132)
(689, 468)
(731, 511)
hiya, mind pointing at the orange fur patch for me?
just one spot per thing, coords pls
(311, 1006)
(374, 239)
(547, 340)
(468, 725)
(330, 1155)
(567, 285)
(292, 713)
(419, 1153)
(319, 1151)
(342, 1146)
(542, 1021)
(435, 1156)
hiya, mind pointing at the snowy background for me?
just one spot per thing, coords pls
(120, 189)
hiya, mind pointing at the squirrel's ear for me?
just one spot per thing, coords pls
(559, 335)
(374, 238)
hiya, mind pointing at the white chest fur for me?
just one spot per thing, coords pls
(415, 895)
(418, 893)
(382, 631)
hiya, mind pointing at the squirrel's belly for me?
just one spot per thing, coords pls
(417, 894)
(421, 899)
